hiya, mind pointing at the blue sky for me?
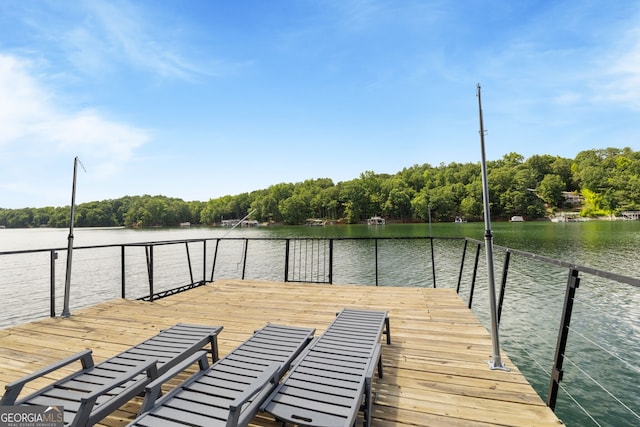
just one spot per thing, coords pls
(199, 99)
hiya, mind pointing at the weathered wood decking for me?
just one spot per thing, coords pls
(434, 371)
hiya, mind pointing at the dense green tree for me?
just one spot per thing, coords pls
(398, 199)
(294, 209)
(550, 189)
(609, 180)
(420, 205)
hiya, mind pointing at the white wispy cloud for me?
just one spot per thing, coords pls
(621, 75)
(118, 33)
(35, 133)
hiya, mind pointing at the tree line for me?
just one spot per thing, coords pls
(607, 179)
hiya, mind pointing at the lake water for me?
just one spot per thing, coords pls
(602, 359)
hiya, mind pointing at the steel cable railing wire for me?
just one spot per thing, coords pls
(548, 287)
(534, 360)
(579, 405)
(265, 260)
(602, 387)
(602, 348)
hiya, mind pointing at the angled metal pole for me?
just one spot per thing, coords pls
(67, 280)
(496, 359)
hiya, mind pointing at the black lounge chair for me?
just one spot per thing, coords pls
(229, 392)
(331, 381)
(93, 392)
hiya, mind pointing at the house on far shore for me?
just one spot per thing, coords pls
(244, 223)
(573, 198)
(631, 215)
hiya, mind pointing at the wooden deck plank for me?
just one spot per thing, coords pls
(435, 371)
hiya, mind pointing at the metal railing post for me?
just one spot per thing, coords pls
(123, 286)
(475, 274)
(149, 253)
(563, 334)
(331, 261)
(204, 260)
(53, 255)
(186, 244)
(433, 263)
(464, 255)
(244, 257)
(503, 283)
(376, 249)
(215, 257)
(287, 246)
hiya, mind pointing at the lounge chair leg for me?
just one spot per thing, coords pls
(387, 332)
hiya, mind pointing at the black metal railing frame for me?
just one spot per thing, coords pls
(289, 274)
(572, 285)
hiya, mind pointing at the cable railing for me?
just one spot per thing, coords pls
(587, 344)
(556, 319)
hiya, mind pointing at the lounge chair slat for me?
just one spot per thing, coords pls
(181, 416)
(330, 381)
(230, 391)
(312, 417)
(218, 387)
(112, 383)
(302, 401)
(318, 396)
(305, 383)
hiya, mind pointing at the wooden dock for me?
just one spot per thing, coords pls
(434, 371)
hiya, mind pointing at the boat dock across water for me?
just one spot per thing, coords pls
(435, 372)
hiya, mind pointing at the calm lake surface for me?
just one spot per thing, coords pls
(602, 359)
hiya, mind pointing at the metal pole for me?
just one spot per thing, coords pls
(496, 362)
(215, 257)
(433, 267)
(123, 282)
(331, 261)
(204, 261)
(376, 251)
(52, 281)
(186, 244)
(67, 280)
(464, 254)
(503, 284)
(563, 335)
(244, 256)
(287, 245)
(475, 275)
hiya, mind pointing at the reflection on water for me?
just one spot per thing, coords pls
(604, 341)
